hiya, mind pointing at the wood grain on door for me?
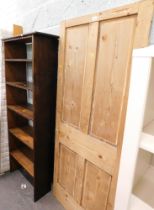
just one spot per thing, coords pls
(93, 86)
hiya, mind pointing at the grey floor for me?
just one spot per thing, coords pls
(12, 197)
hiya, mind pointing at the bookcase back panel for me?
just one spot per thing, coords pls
(15, 72)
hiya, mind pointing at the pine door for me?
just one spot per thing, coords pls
(93, 83)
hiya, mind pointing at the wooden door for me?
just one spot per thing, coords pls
(94, 71)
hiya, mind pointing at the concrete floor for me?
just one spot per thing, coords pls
(12, 197)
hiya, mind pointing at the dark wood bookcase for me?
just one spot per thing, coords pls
(31, 125)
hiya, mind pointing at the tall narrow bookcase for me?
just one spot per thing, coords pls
(31, 74)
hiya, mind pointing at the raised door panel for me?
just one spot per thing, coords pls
(96, 188)
(79, 64)
(75, 60)
(71, 172)
(111, 76)
(67, 169)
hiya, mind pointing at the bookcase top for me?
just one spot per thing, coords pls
(28, 35)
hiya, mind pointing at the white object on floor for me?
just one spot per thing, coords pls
(23, 186)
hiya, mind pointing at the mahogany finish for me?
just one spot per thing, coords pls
(31, 126)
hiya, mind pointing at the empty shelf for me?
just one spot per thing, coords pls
(24, 111)
(24, 135)
(147, 138)
(145, 187)
(22, 85)
(137, 204)
(25, 162)
(18, 60)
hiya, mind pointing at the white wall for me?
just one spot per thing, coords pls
(46, 15)
(4, 150)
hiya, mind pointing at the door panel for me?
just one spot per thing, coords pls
(111, 76)
(71, 172)
(96, 188)
(67, 169)
(93, 83)
(75, 60)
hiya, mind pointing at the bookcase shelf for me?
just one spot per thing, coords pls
(31, 76)
(22, 85)
(24, 134)
(136, 203)
(147, 138)
(18, 60)
(25, 162)
(143, 192)
(24, 110)
(143, 184)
